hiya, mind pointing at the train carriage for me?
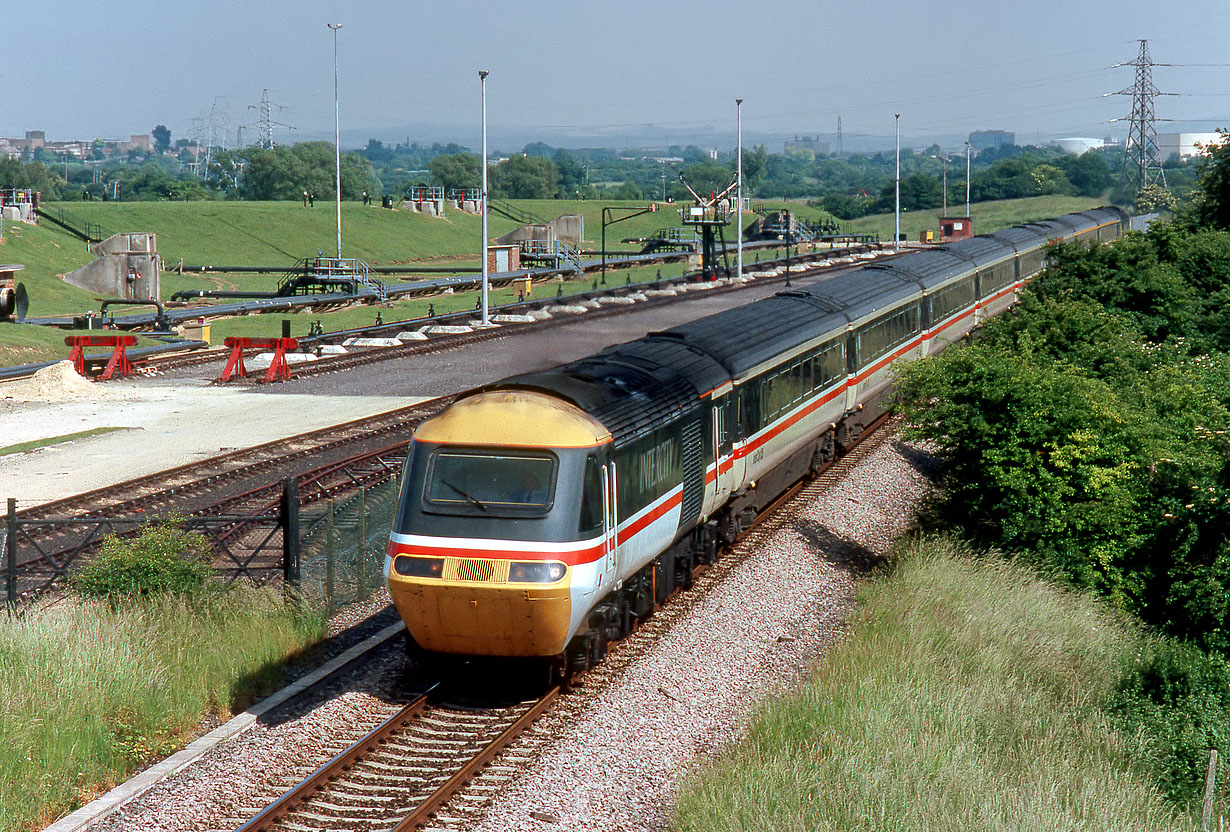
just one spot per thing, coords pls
(544, 514)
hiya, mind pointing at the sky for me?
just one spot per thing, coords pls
(605, 74)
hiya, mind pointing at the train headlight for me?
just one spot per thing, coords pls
(537, 572)
(419, 567)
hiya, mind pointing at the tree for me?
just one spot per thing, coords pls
(1211, 201)
(754, 162)
(525, 177)
(285, 172)
(162, 138)
(455, 170)
(708, 176)
(1155, 198)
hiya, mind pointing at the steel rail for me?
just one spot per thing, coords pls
(316, 783)
(493, 749)
(311, 784)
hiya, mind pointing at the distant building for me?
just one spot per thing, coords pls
(984, 139)
(37, 140)
(1183, 145)
(1076, 145)
(813, 143)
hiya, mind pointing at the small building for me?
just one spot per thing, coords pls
(503, 258)
(955, 228)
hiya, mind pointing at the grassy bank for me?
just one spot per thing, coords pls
(967, 697)
(987, 216)
(88, 692)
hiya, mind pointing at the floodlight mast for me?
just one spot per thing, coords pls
(337, 140)
(482, 80)
(739, 193)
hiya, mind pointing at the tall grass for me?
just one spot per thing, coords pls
(90, 690)
(967, 697)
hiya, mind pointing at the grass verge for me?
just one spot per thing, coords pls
(34, 444)
(967, 697)
(988, 216)
(89, 691)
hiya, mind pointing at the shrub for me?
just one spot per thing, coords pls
(162, 558)
(1179, 697)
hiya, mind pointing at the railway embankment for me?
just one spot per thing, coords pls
(966, 696)
(1084, 436)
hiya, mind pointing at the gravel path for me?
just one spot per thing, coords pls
(611, 754)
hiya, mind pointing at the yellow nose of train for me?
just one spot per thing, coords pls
(465, 612)
(485, 550)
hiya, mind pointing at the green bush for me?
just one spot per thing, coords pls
(1179, 697)
(162, 558)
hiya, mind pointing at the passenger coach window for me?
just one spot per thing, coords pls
(478, 483)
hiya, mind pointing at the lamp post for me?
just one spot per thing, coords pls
(482, 80)
(897, 188)
(739, 189)
(967, 180)
(943, 181)
(337, 141)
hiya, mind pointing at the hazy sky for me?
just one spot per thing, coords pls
(88, 69)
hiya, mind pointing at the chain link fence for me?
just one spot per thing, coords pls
(343, 546)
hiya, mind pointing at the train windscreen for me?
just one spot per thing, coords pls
(485, 482)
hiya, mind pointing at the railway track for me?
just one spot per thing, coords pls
(356, 789)
(401, 773)
(442, 343)
(196, 486)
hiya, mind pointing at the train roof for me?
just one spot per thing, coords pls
(863, 292)
(630, 388)
(747, 336)
(1103, 215)
(928, 267)
(1020, 237)
(1077, 221)
(981, 250)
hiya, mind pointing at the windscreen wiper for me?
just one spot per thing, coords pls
(466, 494)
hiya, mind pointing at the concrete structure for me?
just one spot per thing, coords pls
(128, 266)
(983, 139)
(424, 199)
(569, 228)
(1183, 145)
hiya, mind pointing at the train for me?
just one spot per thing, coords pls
(544, 515)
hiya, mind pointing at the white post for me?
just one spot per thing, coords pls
(482, 79)
(967, 180)
(739, 190)
(897, 189)
(337, 141)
